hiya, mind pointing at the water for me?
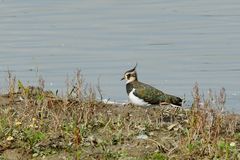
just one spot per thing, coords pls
(176, 43)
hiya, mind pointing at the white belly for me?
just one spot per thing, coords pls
(137, 101)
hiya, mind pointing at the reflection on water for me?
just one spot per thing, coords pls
(175, 43)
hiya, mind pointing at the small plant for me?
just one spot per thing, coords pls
(108, 154)
(33, 136)
(157, 156)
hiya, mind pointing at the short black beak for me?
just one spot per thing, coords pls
(122, 78)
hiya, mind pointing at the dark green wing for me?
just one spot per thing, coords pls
(148, 93)
(154, 96)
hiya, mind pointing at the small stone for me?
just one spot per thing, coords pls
(17, 123)
(232, 144)
(35, 154)
(10, 138)
(142, 136)
(151, 133)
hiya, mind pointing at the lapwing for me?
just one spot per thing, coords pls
(145, 95)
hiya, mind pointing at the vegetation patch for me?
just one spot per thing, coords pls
(40, 124)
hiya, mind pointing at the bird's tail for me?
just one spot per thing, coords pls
(174, 100)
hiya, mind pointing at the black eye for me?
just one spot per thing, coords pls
(128, 76)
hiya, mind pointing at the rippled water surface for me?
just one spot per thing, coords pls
(175, 43)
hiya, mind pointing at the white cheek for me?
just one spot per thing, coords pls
(128, 81)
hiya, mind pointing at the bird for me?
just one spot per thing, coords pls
(142, 94)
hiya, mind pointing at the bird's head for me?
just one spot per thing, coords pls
(130, 75)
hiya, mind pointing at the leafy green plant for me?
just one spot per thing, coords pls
(32, 136)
